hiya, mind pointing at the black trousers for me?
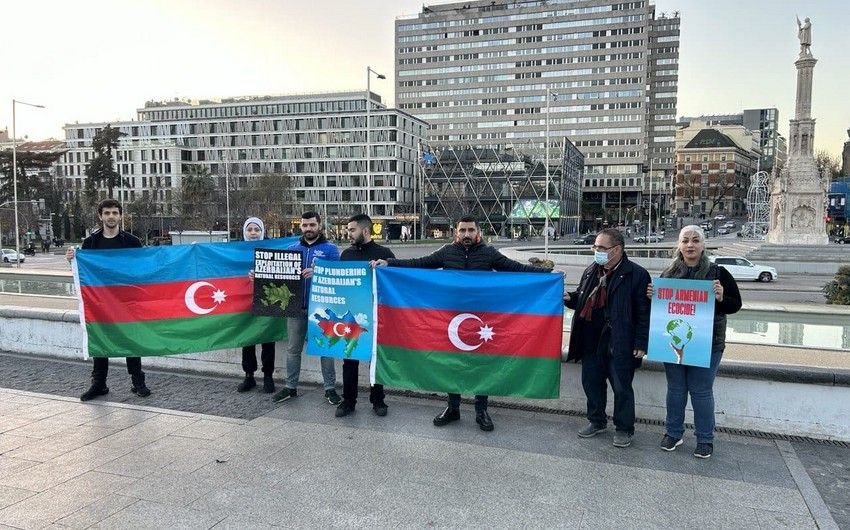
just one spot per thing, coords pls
(350, 374)
(249, 358)
(596, 372)
(100, 368)
(480, 402)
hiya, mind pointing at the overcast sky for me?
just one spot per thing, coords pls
(100, 60)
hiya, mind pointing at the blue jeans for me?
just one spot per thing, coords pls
(698, 382)
(297, 328)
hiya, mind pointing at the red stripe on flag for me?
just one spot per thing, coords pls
(521, 335)
(159, 301)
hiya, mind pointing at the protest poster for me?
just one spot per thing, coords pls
(340, 310)
(681, 323)
(278, 286)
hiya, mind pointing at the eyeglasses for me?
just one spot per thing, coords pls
(601, 248)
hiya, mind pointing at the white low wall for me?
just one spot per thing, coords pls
(819, 410)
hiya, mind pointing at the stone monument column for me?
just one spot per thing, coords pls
(798, 194)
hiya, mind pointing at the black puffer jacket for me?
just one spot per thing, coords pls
(478, 257)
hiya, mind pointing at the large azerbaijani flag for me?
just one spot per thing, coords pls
(171, 299)
(468, 332)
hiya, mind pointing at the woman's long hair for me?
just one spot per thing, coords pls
(678, 268)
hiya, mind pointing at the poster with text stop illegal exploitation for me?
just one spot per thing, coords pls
(681, 323)
(278, 286)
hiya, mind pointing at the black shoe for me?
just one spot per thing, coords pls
(380, 409)
(668, 443)
(590, 430)
(247, 384)
(285, 395)
(332, 397)
(344, 409)
(95, 390)
(704, 450)
(139, 387)
(268, 384)
(447, 416)
(483, 420)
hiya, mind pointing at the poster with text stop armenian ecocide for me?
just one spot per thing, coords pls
(681, 323)
(340, 310)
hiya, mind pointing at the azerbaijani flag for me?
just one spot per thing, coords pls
(469, 332)
(171, 299)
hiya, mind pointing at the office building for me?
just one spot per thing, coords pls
(479, 72)
(504, 189)
(316, 144)
(714, 166)
(773, 146)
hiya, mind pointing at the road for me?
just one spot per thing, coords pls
(788, 289)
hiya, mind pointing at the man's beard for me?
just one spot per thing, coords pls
(359, 240)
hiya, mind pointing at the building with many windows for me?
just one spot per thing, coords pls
(773, 146)
(479, 73)
(714, 166)
(317, 143)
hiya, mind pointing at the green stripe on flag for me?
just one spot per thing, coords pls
(182, 335)
(468, 373)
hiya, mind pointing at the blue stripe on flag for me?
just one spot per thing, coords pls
(136, 266)
(498, 292)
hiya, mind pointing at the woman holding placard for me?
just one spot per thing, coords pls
(691, 263)
(254, 230)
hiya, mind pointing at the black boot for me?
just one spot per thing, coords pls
(268, 384)
(139, 387)
(97, 388)
(247, 384)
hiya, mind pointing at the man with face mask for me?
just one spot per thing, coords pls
(466, 253)
(609, 333)
(362, 248)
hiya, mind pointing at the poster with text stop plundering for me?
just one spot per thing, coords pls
(278, 286)
(682, 322)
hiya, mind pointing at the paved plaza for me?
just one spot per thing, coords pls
(196, 454)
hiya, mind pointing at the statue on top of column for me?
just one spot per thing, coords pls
(804, 33)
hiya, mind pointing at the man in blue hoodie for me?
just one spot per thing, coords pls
(312, 245)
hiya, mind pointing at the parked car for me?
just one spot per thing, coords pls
(587, 239)
(729, 224)
(843, 240)
(706, 225)
(744, 269)
(653, 238)
(723, 230)
(720, 217)
(9, 256)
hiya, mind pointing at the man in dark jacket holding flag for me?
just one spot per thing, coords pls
(110, 236)
(610, 333)
(468, 252)
(362, 249)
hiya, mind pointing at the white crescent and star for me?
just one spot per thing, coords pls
(345, 329)
(485, 332)
(218, 298)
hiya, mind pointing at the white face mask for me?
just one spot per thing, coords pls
(600, 257)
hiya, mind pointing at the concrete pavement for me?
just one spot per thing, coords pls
(110, 464)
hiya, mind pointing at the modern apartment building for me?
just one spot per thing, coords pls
(317, 141)
(479, 73)
(773, 146)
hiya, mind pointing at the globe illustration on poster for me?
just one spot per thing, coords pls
(681, 334)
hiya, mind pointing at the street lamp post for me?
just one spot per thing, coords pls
(549, 96)
(369, 73)
(15, 103)
(227, 189)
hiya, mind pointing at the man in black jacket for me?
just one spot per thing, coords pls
(466, 253)
(609, 333)
(111, 237)
(362, 249)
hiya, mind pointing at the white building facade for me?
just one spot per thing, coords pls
(319, 141)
